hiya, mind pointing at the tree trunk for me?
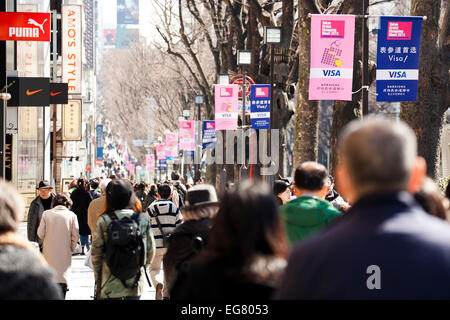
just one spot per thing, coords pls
(307, 114)
(425, 116)
(346, 111)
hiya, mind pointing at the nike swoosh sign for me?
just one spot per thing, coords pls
(55, 93)
(30, 93)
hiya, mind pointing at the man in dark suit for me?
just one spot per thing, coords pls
(386, 247)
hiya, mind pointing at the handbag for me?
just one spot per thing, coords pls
(88, 260)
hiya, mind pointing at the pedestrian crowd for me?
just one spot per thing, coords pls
(385, 235)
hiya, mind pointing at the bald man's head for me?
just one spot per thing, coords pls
(378, 154)
(310, 176)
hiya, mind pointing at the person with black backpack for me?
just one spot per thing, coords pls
(180, 189)
(123, 246)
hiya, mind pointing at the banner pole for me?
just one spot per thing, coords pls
(365, 61)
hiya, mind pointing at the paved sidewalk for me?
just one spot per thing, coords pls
(81, 278)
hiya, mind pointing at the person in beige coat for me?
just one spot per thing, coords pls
(58, 230)
(98, 206)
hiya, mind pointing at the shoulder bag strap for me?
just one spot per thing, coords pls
(159, 223)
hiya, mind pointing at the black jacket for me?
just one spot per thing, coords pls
(22, 277)
(213, 281)
(81, 200)
(34, 218)
(386, 247)
(184, 243)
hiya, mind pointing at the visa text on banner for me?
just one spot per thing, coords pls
(226, 106)
(332, 46)
(398, 58)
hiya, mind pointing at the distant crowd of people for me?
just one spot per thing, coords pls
(385, 235)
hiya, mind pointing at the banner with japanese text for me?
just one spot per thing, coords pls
(160, 152)
(187, 135)
(332, 46)
(150, 162)
(209, 134)
(398, 58)
(171, 145)
(226, 106)
(260, 106)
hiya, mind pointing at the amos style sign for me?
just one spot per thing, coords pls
(24, 26)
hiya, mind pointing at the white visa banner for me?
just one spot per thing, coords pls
(71, 48)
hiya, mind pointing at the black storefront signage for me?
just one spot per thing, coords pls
(58, 93)
(8, 157)
(29, 92)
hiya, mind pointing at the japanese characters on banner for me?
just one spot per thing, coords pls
(150, 162)
(71, 47)
(171, 145)
(160, 152)
(209, 134)
(72, 125)
(398, 58)
(187, 135)
(226, 106)
(260, 106)
(332, 46)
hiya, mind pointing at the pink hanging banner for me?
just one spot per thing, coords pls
(150, 162)
(171, 145)
(160, 152)
(226, 106)
(187, 135)
(332, 47)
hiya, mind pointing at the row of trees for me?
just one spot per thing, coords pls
(199, 40)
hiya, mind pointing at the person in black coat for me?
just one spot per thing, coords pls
(386, 246)
(246, 251)
(190, 237)
(81, 199)
(37, 207)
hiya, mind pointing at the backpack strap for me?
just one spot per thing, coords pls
(112, 215)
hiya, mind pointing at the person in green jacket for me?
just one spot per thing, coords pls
(309, 213)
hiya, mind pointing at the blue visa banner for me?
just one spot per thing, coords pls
(100, 141)
(260, 106)
(162, 165)
(209, 134)
(398, 58)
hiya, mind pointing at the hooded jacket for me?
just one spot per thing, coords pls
(305, 216)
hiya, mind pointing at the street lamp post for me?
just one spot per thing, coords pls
(244, 58)
(272, 35)
(199, 99)
(224, 78)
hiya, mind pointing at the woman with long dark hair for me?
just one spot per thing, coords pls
(247, 250)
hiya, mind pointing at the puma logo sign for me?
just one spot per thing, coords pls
(33, 22)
